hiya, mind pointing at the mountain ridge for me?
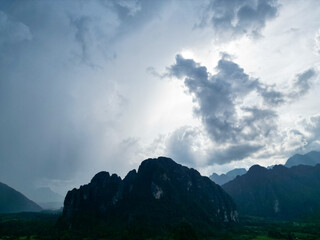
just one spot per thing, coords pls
(159, 194)
(279, 192)
(226, 177)
(311, 158)
(12, 201)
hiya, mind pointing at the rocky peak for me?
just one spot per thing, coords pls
(257, 169)
(161, 192)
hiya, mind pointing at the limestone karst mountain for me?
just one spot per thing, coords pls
(161, 193)
(279, 192)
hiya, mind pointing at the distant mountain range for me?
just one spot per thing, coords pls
(279, 192)
(12, 201)
(161, 193)
(310, 159)
(46, 198)
(224, 178)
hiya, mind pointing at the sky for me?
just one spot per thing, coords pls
(96, 85)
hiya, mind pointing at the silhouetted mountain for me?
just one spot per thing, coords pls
(162, 193)
(311, 158)
(278, 192)
(224, 178)
(12, 201)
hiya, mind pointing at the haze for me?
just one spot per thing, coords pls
(98, 85)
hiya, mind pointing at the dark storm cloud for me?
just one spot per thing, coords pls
(233, 18)
(219, 95)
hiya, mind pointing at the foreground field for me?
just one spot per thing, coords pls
(42, 226)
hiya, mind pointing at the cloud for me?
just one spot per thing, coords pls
(302, 138)
(192, 147)
(271, 96)
(218, 98)
(317, 42)
(12, 31)
(311, 126)
(238, 124)
(233, 153)
(127, 7)
(235, 18)
(96, 24)
(302, 83)
(181, 145)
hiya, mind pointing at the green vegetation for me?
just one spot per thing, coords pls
(42, 226)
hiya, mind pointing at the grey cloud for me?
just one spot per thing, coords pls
(234, 18)
(233, 153)
(219, 102)
(301, 86)
(188, 67)
(96, 23)
(127, 8)
(302, 83)
(259, 123)
(12, 31)
(184, 145)
(180, 143)
(82, 35)
(271, 96)
(312, 126)
(100, 24)
(219, 95)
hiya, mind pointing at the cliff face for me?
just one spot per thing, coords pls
(161, 193)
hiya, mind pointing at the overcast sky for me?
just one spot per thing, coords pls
(99, 85)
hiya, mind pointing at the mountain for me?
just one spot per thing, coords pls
(311, 158)
(279, 192)
(46, 198)
(161, 193)
(13, 201)
(224, 178)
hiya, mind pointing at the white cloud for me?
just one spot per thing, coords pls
(317, 42)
